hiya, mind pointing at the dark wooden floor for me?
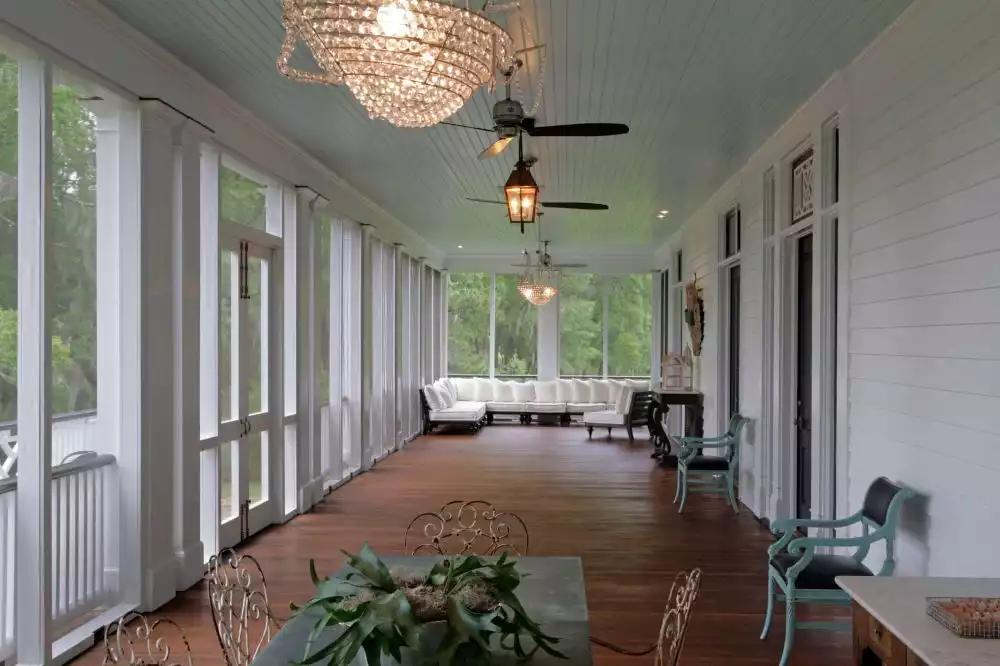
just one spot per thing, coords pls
(603, 500)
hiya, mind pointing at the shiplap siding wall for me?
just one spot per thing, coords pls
(921, 115)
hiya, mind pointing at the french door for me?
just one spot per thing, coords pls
(247, 307)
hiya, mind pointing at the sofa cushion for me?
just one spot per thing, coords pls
(605, 418)
(545, 391)
(624, 404)
(433, 399)
(584, 407)
(637, 384)
(523, 391)
(505, 407)
(615, 389)
(484, 389)
(452, 389)
(503, 391)
(598, 390)
(564, 390)
(462, 412)
(444, 395)
(580, 391)
(545, 407)
(822, 570)
(466, 388)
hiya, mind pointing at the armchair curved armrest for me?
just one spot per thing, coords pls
(802, 544)
(719, 445)
(702, 440)
(784, 525)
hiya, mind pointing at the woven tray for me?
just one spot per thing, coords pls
(968, 617)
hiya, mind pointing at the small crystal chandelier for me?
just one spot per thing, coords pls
(537, 284)
(410, 62)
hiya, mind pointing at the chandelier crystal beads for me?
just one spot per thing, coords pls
(410, 62)
(537, 284)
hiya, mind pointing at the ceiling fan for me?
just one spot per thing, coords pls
(509, 122)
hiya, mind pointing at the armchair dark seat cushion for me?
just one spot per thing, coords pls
(821, 571)
(709, 463)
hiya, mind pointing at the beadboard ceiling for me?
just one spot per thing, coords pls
(702, 83)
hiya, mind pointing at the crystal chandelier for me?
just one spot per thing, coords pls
(410, 62)
(538, 283)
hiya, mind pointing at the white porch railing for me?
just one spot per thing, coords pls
(84, 543)
(71, 433)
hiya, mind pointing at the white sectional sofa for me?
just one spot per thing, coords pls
(473, 401)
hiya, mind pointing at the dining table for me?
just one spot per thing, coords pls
(551, 591)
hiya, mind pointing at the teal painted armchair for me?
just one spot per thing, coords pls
(805, 576)
(715, 474)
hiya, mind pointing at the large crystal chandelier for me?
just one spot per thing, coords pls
(410, 62)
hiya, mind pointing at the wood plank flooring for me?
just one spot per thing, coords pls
(603, 500)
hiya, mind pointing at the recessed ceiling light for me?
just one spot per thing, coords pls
(664, 212)
(661, 216)
(459, 247)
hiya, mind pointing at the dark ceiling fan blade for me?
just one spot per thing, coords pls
(496, 148)
(575, 205)
(489, 201)
(578, 129)
(481, 129)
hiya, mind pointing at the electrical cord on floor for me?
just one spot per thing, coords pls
(621, 650)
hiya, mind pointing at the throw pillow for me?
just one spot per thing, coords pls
(433, 400)
(545, 391)
(564, 390)
(615, 389)
(503, 391)
(581, 391)
(523, 391)
(484, 390)
(449, 383)
(637, 384)
(599, 389)
(624, 401)
(466, 388)
(441, 386)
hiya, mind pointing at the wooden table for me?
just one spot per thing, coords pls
(891, 625)
(693, 403)
(553, 594)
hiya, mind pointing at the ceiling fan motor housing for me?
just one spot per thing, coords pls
(507, 117)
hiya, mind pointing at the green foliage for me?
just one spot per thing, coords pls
(385, 624)
(73, 228)
(581, 325)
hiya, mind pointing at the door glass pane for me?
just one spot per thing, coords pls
(581, 317)
(256, 449)
(229, 499)
(516, 331)
(257, 328)
(242, 200)
(630, 325)
(229, 347)
(8, 260)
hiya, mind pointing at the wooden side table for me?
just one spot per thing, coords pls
(693, 403)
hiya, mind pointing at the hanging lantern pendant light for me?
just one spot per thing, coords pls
(521, 191)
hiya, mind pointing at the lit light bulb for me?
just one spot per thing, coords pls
(515, 204)
(396, 19)
(526, 202)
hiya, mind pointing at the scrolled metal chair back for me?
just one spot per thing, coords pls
(683, 593)
(466, 528)
(240, 608)
(135, 641)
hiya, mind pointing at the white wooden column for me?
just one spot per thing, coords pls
(118, 333)
(307, 441)
(367, 347)
(443, 358)
(33, 601)
(656, 348)
(189, 550)
(158, 358)
(548, 340)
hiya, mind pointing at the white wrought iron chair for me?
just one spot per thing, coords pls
(673, 628)
(133, 640)
(471, 527)
(240, 608)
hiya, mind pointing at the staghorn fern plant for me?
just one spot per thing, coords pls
(384, 613)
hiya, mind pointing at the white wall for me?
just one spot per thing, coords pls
(921, 168)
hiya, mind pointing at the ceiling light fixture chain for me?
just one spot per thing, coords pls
(412, 63)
